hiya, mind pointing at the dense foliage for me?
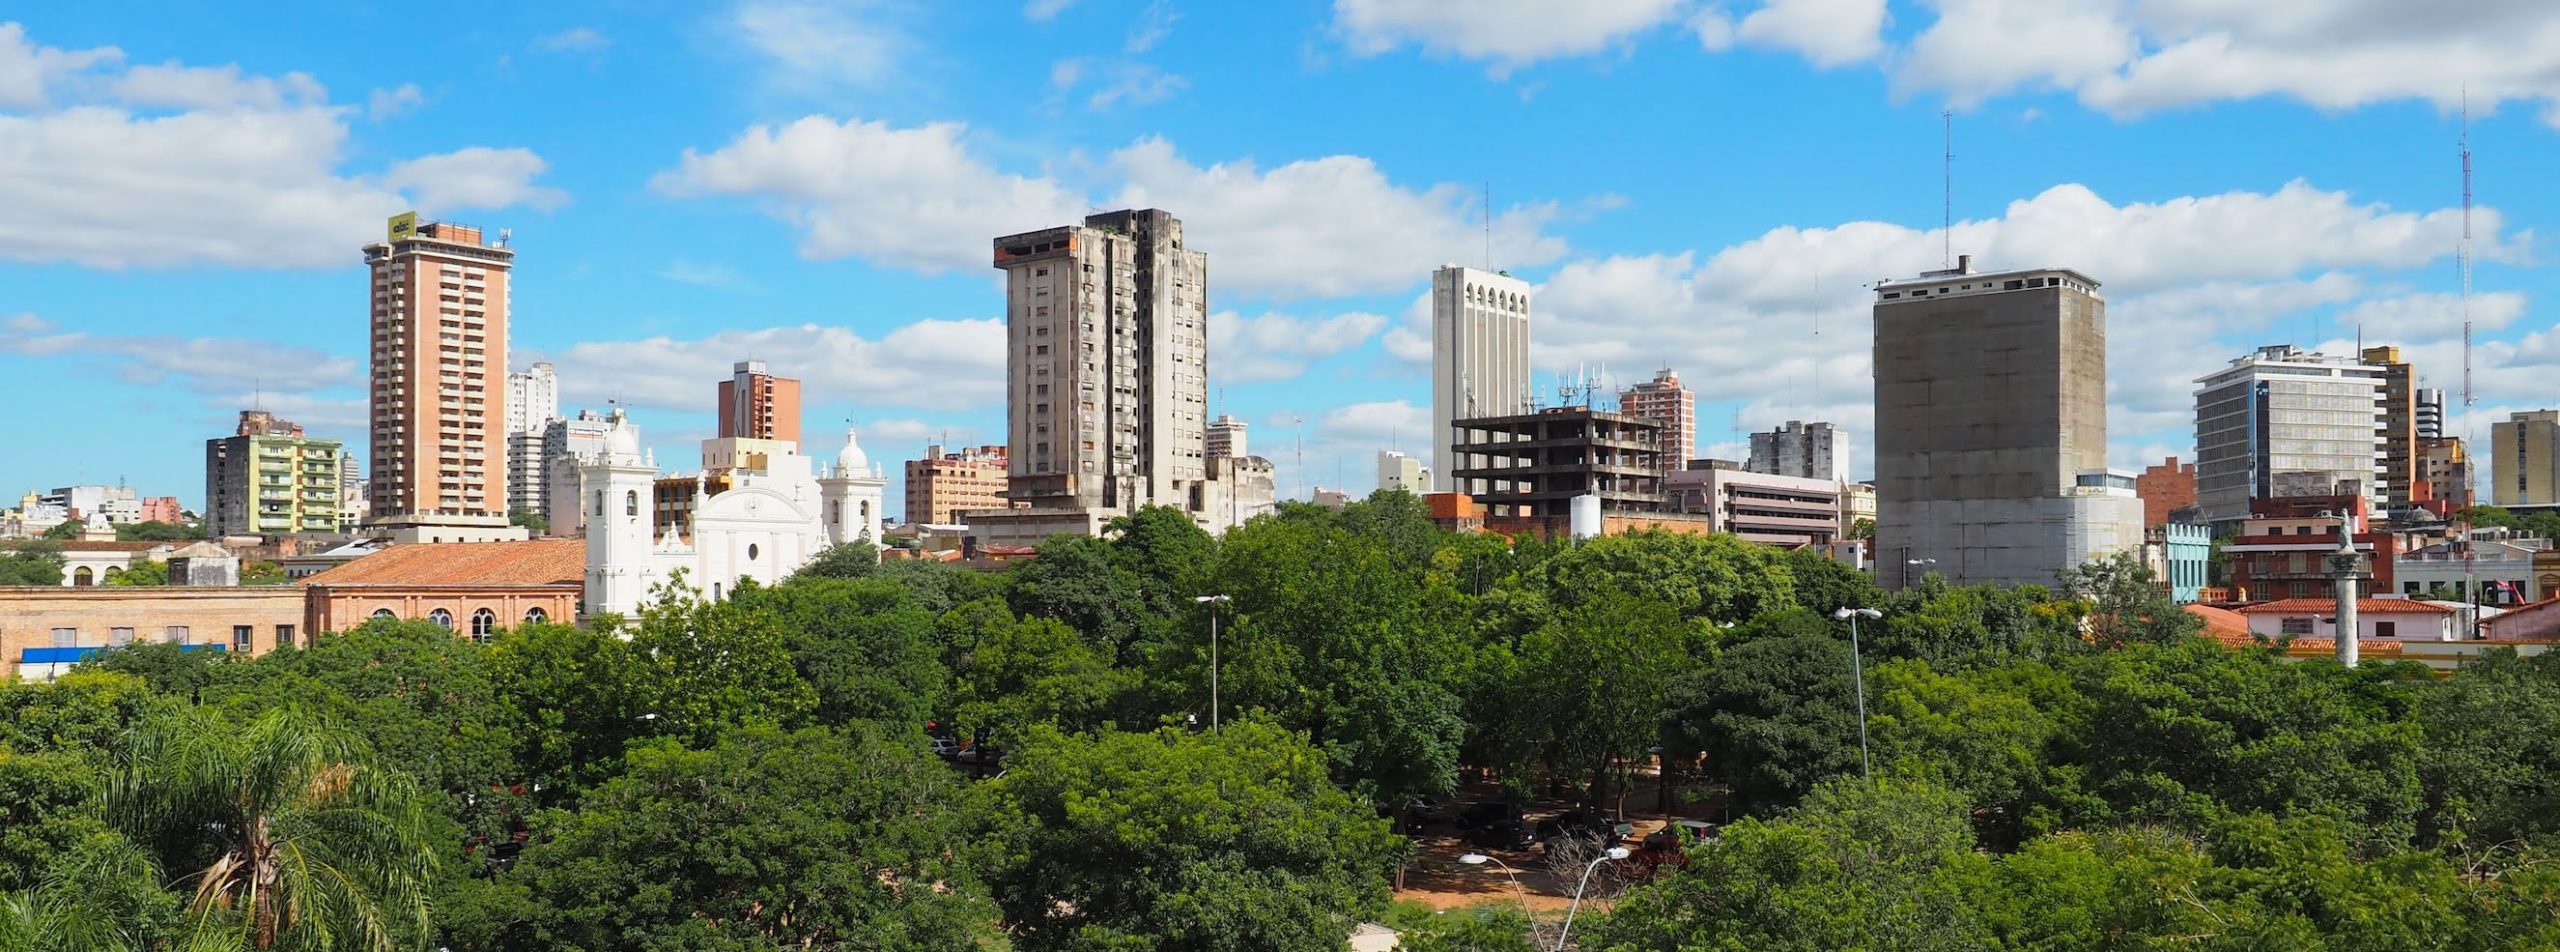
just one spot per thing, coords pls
(2063, 768)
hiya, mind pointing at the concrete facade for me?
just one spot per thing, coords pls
(1542, 463)
(943, 487)
(2444, 472)
(2524, 459)
(567, 443)
(1398, 471)
(1990, 406)
(2282, 410)
(1226, 437)
(1786, 511)
(268, 479)
(439, 297)
(1665, 399)
(1803, 450)
(1479, 359)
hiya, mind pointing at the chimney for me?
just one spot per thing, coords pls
(1964, 264)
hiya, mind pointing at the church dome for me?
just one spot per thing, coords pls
(621, 439)
(850, 460)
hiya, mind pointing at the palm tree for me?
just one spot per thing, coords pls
(281, 826)
(105, 896)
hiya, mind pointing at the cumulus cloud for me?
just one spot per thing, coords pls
(929, 364)
(1827, 32)
(816, 46)
(210, 365)
(172, 165)
(387, 103)
(1281, 346)
(1506, 33)
(920, 198)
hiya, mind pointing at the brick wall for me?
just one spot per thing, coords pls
(96, 617)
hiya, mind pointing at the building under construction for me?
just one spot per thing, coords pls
(1537, 464)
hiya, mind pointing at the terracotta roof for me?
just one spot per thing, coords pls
(534, 562)
(2223, 624)
(74, 545)
(2364, 606)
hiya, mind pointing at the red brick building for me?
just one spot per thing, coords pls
(2165, 488)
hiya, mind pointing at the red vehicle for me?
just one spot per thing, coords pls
(1670, 845)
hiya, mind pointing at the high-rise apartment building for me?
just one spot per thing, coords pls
(353, 503)
(1398, 471)
(1226, 437)
(567, 444)
(533, 398)
(2524, 459)
(1803, 450)
(1991, 428)
(1106, 327)
(942, 487)
(756, 405)
(2444, 471)
(2395, 442)
(1479, 358)
(439, 422)
(1663, 398)
(269, 479)
(2283, 414)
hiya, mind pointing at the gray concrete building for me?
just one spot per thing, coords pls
(1991, 428)
(2285, 414)
(1226, 436)
(1479, 359)
(1802, 450)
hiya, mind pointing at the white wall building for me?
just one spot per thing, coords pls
(770, 521)
(2285, 412)
(567, 444)
(1479, 355)
(1398, 471)
(533, 398)
(2390, 619)
(1226, 437)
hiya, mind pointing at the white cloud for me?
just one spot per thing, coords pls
(476, 177)
(1154, 24)
(172, 165)
(1045, 10)
(917, 197)
(909, 197)
(932, 364)
(1507, 33)
(2430, 317)
(1410, 339)
(387, 103)
(1137, 83)
(28, 71)
(1280, 346)
(819, 45)
(576, 39)
(1827, 32)
(210, 365)
(706, 275)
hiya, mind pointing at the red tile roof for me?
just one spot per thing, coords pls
(534, 562)
(2364, 606)
(2223, 624)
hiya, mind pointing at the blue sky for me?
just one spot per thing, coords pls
(1707, 186)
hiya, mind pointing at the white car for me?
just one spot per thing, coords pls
(942, 745)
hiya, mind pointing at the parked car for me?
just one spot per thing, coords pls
(943, 746)
(1669, 846)
(1423, 813)
(982, 754)
(1494, 825)
(1580, 826)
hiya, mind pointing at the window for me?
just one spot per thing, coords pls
(442, 618)
(119, 637)
(2386, 629)
(241, 636)
(174, 634)
(82, 576)
(630, 502)
(284, 635)
(751, 552)
(2297, 626)
(536, 616)
(384, 614)
(483, 623)
(66, 637)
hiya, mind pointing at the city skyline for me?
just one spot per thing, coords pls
(817, 184)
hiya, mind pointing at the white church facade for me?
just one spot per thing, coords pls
(779, 508)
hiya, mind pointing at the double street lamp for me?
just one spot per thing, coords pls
(1857, 672)
(1614, 852)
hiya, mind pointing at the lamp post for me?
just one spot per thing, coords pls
(1479, 859)
(1213, 601)
(1615, 852)
(1858, 672)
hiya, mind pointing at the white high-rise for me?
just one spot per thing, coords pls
(1479, 355)
(1807, 450)
(533, 398)
(2282, 415)
(533, 401)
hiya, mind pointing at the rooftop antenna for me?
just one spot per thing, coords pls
(1947, 197)
(1488, 224)
(2470, 585)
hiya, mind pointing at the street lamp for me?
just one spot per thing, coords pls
(1213, 654)
(1479, 859)
(1857, 671)
(1615, 852)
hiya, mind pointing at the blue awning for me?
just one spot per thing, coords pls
(82, 653)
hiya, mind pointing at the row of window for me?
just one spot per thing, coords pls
(121, 636)
(483, 621)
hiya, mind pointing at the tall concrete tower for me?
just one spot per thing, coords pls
(1991, 428)
(439, 421)
(1479, 356)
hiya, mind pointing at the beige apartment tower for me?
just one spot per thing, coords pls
(1479, 359)
(439, 328)
(1665, 399)
(942, 487)
(2395, 440)
(2524, 459)
(1107, 352)
(756, 405)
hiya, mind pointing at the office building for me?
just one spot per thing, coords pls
(2165, 488)
(2395, 444)
(270, 479)
(1991, 428)
(117, 504)
(1398, 471)
(2524, 459)
(1803, 450)
(1226, 437)
(1664, 399)
(757, 405)
(353, 503)
(1107, 347)
(1786, 511)
(2444, 473)
(1479, 359)
(2430, 412)
(439, 294)
(568, 443)
(944, 486)
(2283, 410)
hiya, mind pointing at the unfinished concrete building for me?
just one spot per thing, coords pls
(1538, 464)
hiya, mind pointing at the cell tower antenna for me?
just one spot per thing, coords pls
(1947, 194)
(2464, 256)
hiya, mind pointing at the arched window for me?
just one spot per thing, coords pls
(536, 616)
(866, 510)
(483, 624)
(384, 614)
(630, 502)
(113, 571)
(599, 502)
(82, 576)
(442, 618)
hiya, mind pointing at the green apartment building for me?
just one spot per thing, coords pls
(270, 480)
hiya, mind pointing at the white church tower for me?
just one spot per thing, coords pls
(852, 491)
(619, 506)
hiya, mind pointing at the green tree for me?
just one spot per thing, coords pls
(1596, 676)
(262, 573)
(100, 894)
(145, 572)
(283, 823)
(157, 531)
(530, 520)
(579, 691)
(1718, 577)
(810, 839)
(32, 563)
(85, 711)
(1168, 553)
(856, 559)
(1774, 716)
(1825, 584)
(2492, 751)
(48, 805)
(1081, 582)
(1989, 735)
(2127, 603)
(707, 666)
(1018, 675)
(864, 646)
(1863, 528)
(65, 532)
(169, 669)
(1181, 841)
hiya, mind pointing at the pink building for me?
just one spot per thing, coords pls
(163, 509)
